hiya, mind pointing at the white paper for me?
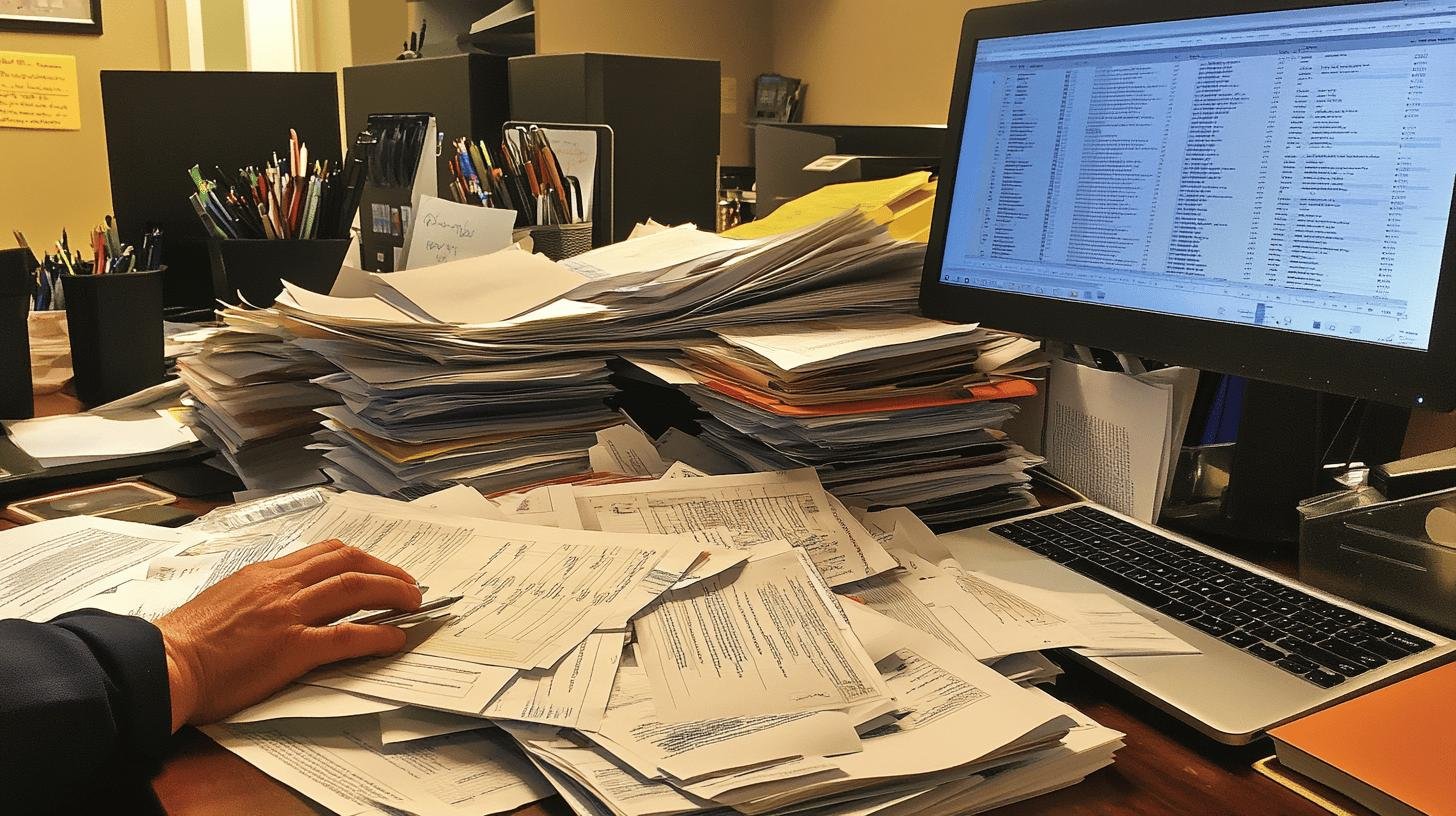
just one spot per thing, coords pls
(633, 732)
(54, 566)
(74, 438)
(298, 701)
(544, 506)
(461, 500)
(340, 767)
(810, 344)
(758, 507)
(563, 583)
(1107, 435)
(624, 450)
(682, 470)
(571, 694)
(444, 230)
(483, 289)
(410, 724)
(777, 644)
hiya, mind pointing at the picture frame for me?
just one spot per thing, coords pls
(51, 16)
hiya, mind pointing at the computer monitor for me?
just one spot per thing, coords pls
(1256, 188)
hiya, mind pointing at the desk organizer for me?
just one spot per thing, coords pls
(115, 323)
(256, 268)
(1395, 556)
(16, 399)
(561, 241)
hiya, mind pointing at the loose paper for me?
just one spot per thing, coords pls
(449, 231)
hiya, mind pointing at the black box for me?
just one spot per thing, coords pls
(115, 322)
(17, 400)
(257, 267)
(160, 123)
(467, 93)
(663, 112)
(780, 152)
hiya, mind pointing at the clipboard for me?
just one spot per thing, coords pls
(601, 208)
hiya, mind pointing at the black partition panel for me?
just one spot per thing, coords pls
(160, 123)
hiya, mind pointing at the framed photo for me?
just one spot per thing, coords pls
(51, 16)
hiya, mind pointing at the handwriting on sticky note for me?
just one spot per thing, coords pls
(38, 91)
(447, 231)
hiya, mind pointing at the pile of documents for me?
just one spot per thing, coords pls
(676, 645)
(891, 409)
(251, 400)
(491, 370)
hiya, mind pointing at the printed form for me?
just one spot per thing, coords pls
(770, 639)
(757, 507)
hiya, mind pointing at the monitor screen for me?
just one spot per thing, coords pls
(1290, 170)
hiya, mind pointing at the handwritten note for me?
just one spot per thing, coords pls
(38, 91)
(444, 231)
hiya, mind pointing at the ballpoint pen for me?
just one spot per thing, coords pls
(401, 617)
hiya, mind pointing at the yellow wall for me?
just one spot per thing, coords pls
(51, 179)
(869, 61)
(734, 33)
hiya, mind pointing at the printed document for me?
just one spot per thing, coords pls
(52, 567)
(768, 638)
(757, 507)
(571, 694)
(343, 769)
(532, 594)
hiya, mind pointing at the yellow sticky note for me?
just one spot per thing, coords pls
(38, 91)
(826, 202)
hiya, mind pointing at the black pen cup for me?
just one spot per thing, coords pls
(561, 241)
(115, 323)
(255, 268)
(16, 398)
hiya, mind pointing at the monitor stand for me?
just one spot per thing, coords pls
(1284, 434)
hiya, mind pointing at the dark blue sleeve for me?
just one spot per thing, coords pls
(82, 699)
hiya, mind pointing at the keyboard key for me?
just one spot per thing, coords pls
(1350, 651)
(1325, 658)
(1375, 645)
(1410, 643)
(1214, 626)
(1237, 618)
(1243, 640)
(1323, 679)
(1263, 631)
(1180, 611)
(1295, 664)
(1264, 651)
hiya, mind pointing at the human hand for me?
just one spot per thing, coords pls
(252, 633)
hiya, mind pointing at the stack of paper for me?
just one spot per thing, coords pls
(491, 371)
(252, 401)
(890, 409)
(682, 651)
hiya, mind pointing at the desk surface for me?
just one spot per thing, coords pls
(1166, 767)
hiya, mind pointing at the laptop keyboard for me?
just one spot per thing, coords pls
(1320, 642)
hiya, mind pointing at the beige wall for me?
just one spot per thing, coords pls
(735, 33)
(869, 61)
(50, 179)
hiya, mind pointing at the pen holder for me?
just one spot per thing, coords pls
(16, 398)
(561, 241)
(115, 323)
(257, 267)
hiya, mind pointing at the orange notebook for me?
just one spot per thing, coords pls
(1002, 389)
(1392, 750)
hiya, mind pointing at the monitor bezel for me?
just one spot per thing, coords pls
(1365, 370)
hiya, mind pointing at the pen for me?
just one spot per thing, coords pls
(400, 617)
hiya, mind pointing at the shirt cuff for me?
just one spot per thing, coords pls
(131, 653)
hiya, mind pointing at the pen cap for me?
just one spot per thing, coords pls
(257, 267)
(16, 284)
(115, 323)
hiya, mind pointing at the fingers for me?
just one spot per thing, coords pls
(347, 593)
(328, 644)
(293, 559)
(339, 560)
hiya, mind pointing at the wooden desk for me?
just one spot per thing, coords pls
(1166, 768)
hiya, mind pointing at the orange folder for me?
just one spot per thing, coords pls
(1392, 750)
(1005, 389)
